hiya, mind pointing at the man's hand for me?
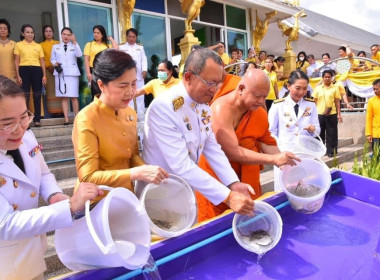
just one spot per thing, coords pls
(242, 188)
(240, 203)
(285, 158)
(85, 191)
(369, 138)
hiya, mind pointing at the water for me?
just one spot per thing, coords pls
(302, 189)
(258, 241)
(150, 270)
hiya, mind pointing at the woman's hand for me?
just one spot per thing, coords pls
(89, 77)
(310, 128)
(148, 173)
(85, 191)
(44, 80)
(19, 81)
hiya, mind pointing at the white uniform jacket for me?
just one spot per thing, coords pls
(285, 126)
(177, 131)
(68, 58)
(22, 224)
(138, 54)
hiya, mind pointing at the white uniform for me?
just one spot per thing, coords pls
(285, 125)
(138, 54)
(71, 73)
(22, 230)
(177, 131)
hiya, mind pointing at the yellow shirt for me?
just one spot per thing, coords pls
(279, 70)
(303, 68)
(157, 86)
(47, 46)
(7, 60)
(376, 57)
(326, 98)
(105, 145)
(273, 79)
(372, 126)
(225, 58)
(92, 48)
(30, 53)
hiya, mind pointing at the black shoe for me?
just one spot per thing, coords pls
(66, 123)
(330, 155)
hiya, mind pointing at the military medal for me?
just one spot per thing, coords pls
(188, 125)
(187, 121)
(15, 184)
(207, 129)
(35, 150)
(206, 120)
(3, 181)
(204, 113)
(131, 118)
(178, 103)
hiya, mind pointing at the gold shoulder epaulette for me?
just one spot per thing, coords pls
(308, 99)
(278, 100)
(178, 102)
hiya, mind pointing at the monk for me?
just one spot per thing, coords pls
(240, 125)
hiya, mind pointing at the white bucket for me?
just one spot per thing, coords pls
(294, 179)
(261, 232)
(171, 206)
(307, 144)
(115, 233)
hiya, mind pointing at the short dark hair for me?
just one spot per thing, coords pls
(197, 59)
(326, 54)
(109, 65)
(68, 29)
(376, 82)
(9, 88)
(133, 31)
(343, 48)
(280, 59)
(297, 75)
(328, 71)
(362, 52)
(310, 56)
(23, 29)
(4, 21)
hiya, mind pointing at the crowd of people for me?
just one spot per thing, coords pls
(251, 126)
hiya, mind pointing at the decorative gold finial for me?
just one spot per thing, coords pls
(261, 29)
(192, 8)
(125, 8)
(291, 32)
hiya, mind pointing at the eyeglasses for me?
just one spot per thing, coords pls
(209, 84)
(24, 122)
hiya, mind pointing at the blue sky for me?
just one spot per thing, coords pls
(360, 13)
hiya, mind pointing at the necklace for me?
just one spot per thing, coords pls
(4, 41)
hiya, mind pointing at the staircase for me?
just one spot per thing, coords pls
(58, 153)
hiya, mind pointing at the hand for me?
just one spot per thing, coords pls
(369, 139)
(89, 77)
(242, 188)
(143, 73)
(349, 106)
(285, 158)
(240, 203)
(19, 81)
(340, 119)
(44, 80)
(110, 38)
(57, 198)
(148, 173)
(73, 39)
(310, 128)
(85, 191)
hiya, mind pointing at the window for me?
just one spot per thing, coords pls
(174, 8)
(212, 12)
(237, 40)
(236, 17)
(153, 38)
(157, 6)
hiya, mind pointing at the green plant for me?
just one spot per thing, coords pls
(370, 165)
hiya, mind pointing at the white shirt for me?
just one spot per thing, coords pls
(138, 54)
(285, 126)
(175, 140)
(312, 69)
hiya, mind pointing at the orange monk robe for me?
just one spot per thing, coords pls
(252, 129)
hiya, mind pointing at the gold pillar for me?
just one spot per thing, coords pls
(290, 63)
(125, 9)
(186, 43)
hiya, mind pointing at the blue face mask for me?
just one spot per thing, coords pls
(163, 76)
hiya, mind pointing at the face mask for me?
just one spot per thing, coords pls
(302, 58)
(163, 76)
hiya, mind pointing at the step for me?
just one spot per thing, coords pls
(55, 155)
(53, 121)
(56, 130)
(56, 142)
(64, 170)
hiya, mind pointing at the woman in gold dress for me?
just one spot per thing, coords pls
(7, 64)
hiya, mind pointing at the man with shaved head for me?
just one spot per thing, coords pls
(240, 125)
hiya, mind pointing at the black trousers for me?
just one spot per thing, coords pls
(329, 132)
(32, 76)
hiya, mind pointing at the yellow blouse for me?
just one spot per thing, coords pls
(105, 145)
(326, 98)
(30, 53)
(273, 80)
(7, 60)
(47, 46)
(303, 68)
(157, 86)
(372, 126)
(92, 48)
